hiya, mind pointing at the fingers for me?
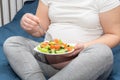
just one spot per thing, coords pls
(29, 21)
(78, 48)
(32, 19)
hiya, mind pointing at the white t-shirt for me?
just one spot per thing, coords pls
(77, 20)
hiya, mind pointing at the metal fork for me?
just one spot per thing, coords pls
(48, 36)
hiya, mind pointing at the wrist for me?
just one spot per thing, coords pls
(36, 34)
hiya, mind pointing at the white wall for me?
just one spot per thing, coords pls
(9, 9)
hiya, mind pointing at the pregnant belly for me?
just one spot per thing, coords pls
(72, 33)
(58, 62)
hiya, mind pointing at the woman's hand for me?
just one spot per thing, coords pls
(30, 23)
(65, 59)
(78, 48)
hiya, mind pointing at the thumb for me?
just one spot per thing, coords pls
(79, 46)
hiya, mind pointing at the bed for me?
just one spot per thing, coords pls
(13, 29)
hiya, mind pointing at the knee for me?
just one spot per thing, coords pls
(11, 40)
(100, 52)
(10, 43)
(103, 51)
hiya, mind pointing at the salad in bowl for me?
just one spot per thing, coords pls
(54, 47)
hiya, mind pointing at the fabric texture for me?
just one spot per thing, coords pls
(27, 0)
(19, 52)
(77, 20)
(13, 28)
(106, 5)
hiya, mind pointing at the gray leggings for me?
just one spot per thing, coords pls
(93, 63)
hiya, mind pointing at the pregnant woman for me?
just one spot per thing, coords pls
(93, 25)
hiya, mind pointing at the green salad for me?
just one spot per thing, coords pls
(55, 46)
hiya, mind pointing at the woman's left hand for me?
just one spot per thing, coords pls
(77, 49)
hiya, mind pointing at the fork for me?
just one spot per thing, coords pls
(48, 36)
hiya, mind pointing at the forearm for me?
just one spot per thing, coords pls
(42, 14)
(110, 23)
(109, 39)
(30, 23)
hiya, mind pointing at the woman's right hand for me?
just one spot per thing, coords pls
(30, 23)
